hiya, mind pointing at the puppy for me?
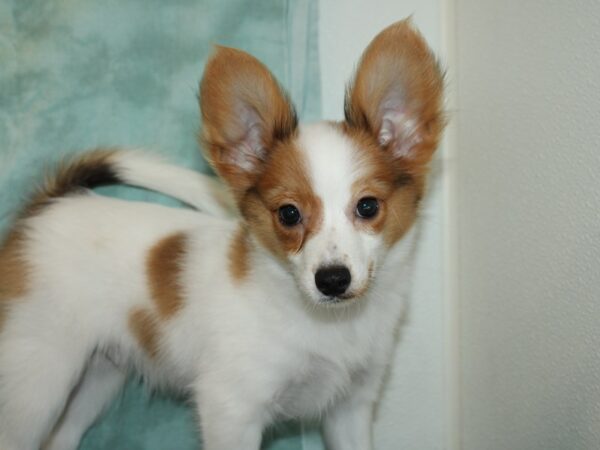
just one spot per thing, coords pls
(284, 309)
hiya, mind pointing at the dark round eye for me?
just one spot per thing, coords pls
(367, 207)
(289, 215)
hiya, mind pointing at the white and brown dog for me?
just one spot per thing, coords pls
(285, 310)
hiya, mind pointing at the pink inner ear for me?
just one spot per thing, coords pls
(249, 151)
(399, 129)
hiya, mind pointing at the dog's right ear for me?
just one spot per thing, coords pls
(245, 113)
(397, 97)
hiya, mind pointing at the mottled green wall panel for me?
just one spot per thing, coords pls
(79, 74)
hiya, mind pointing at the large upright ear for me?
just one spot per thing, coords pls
(396, 95)
(244, 113)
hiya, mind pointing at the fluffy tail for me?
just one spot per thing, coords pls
(135, 168)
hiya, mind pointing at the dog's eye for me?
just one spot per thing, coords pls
(367, 207)
(289, 215)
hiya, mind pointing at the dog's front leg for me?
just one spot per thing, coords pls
(228, 422)
(347, 425)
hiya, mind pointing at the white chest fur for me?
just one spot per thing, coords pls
(261, 341)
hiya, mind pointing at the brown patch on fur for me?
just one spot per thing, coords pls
(402, 212)
(239, 249)
(163, 268)
(144, 326)
(235, 86)
(398, 192)
(87, 171)
(13, 271)
(397, 75)
(82, 172)
(285, 181)
(399, 65)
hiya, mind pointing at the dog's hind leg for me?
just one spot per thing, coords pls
(39, 367)
(99, 385)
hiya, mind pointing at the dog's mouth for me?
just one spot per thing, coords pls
(335, 302)
(346, 298)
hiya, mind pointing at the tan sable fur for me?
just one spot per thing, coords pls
(401, 83)
(398, 193)
(13, 271)
(249, 130)
(235, 83)
(402, 212)
(411, 71)
(285, 181)
(163, 266)
(163, 269)
(239, 249)
(71, 177)
(144, 326)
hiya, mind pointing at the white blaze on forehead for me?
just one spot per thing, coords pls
(332, 164)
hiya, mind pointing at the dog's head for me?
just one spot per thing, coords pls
(327, 199)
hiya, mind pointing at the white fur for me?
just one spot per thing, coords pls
(137, 168)
(248, 353)
(333, 167)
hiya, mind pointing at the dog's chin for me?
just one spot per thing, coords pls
(316, 299)
(340, 301)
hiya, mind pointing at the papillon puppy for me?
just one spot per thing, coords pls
(279, 301)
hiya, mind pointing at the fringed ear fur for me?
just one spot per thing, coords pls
(397, 94)
(245, 113)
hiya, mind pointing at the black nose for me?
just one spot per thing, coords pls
(333, 280)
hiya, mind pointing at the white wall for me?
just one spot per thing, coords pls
(529, 223)
(512, 230)
(415, 407)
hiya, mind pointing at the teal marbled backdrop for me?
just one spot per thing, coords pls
(78, 74)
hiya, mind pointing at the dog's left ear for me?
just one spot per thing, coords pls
(245, 113)
(396, 95)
